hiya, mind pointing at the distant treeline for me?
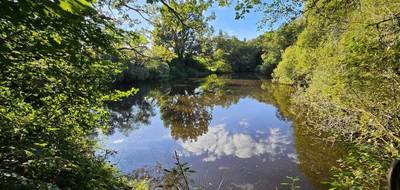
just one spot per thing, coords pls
(224, 54)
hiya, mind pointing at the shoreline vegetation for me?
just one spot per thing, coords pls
(60, 59)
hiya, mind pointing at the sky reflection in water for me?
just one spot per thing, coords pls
(234, 130)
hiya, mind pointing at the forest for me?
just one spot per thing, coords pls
(62, 61)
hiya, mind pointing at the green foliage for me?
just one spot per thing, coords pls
(58, 59)
(184, 29)
(140, 184)
(362, 168)
(158, 69)
(284, 73)
(275, 42)
(202, 62)
(194, 67)
(221, 66)
(242, 56)
(213, 64)
(135, 72)
(162, 53)
(347, 60)
(152, 69)
(275, 11)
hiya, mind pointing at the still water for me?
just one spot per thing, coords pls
(235, 131)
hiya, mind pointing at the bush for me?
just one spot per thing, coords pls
(350, 75)
(135, 72)
(222, 67)
(265, 69)
(189, 67)
(200, 63)
(153, 69)
(157, 69)
(285, 72)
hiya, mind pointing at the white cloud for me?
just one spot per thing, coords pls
(293, 158)
(223, 168)
(276, 141)
(217, 142)
(118, 141)
(244, 123)
(210, 158)
(260, 132)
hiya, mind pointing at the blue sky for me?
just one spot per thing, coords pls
(243, 28)
(225, 21)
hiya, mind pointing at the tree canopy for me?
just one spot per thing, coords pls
(185, 34)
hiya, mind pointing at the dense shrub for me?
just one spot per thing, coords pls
(151, 70)
(158, 69)
(274, 43)
(222, 67)
(135, 72)
(348, 65)
(54, 82)
(241, 55)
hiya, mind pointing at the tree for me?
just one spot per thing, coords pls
(242, 56)
(275, 42)
(58, 60)
(184, 34)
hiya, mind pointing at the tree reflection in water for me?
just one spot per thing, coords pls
(186, 109)
(132, 112)
(186, 106)
(188, 116)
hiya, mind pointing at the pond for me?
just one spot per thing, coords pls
(235, 131)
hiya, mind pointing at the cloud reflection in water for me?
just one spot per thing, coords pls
(218, 142)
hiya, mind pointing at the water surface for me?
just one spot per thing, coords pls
(236, 132)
